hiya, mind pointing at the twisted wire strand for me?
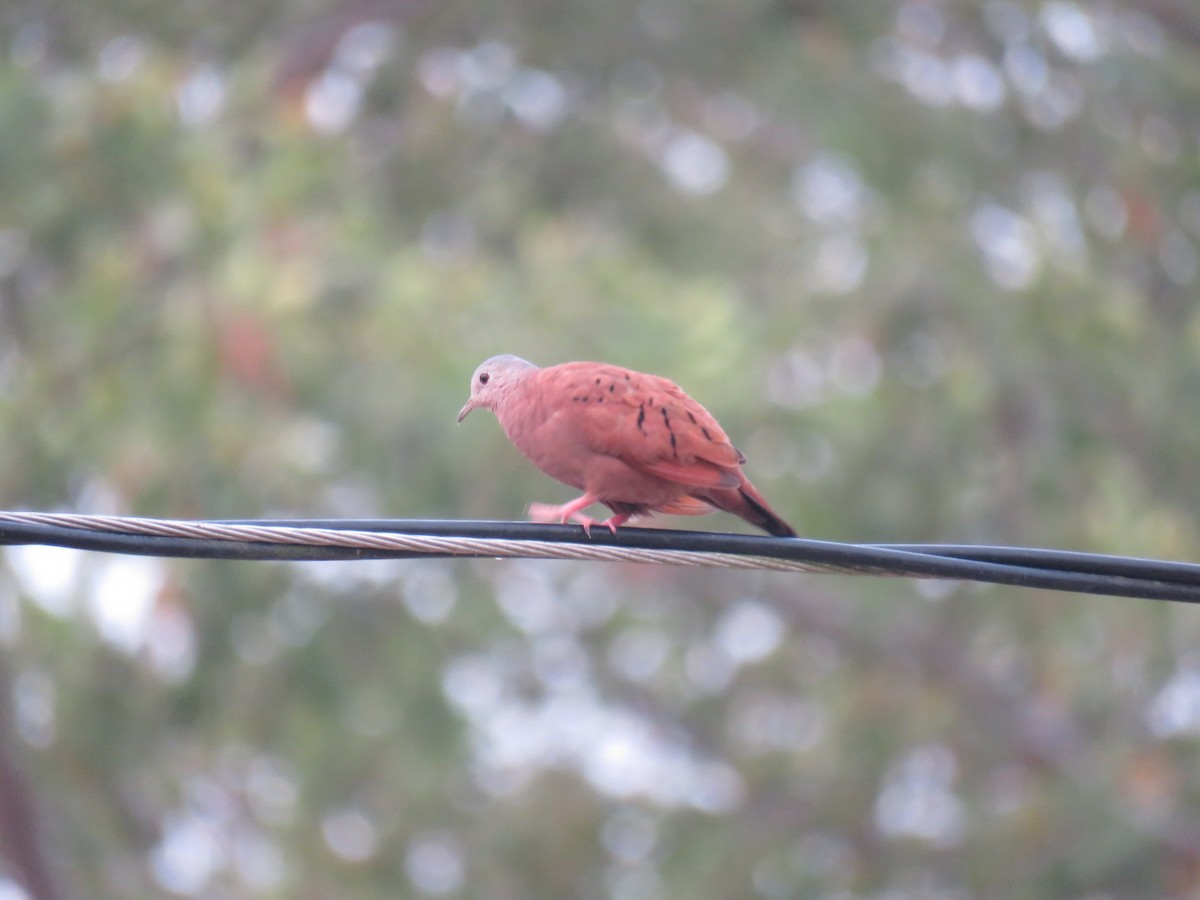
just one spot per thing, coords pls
(311, 540)
(417, 544)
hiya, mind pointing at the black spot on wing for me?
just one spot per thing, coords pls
(667, 422)
(641, 417)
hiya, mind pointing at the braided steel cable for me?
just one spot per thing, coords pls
(322, 539)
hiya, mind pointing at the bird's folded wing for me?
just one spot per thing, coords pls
(648, 423)
(698, 473)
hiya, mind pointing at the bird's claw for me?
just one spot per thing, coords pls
(569, 512)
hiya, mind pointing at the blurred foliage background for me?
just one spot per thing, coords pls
(933, 265)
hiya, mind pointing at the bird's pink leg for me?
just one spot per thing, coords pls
(546, 512)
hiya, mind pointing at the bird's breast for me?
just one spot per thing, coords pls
(548, 439)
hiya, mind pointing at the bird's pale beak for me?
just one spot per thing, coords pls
(467, 407)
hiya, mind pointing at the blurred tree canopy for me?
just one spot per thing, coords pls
(934, 265)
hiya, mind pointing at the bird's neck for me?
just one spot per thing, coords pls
(519, 409)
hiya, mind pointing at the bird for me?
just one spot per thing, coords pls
(633, 442)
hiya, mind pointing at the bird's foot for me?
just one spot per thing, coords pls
(571, 512)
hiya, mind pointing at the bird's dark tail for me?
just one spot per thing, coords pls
(747, 502)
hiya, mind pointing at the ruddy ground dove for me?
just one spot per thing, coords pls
(634, 442)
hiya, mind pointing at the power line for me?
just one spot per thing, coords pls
(325, 539)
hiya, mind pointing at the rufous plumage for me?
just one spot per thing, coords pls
(633, 442)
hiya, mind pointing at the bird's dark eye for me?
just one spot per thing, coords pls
(483, 377)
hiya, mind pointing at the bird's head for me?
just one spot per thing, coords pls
(492, 381)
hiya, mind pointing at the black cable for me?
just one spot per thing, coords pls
(1023, 567)
(1064, 560)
